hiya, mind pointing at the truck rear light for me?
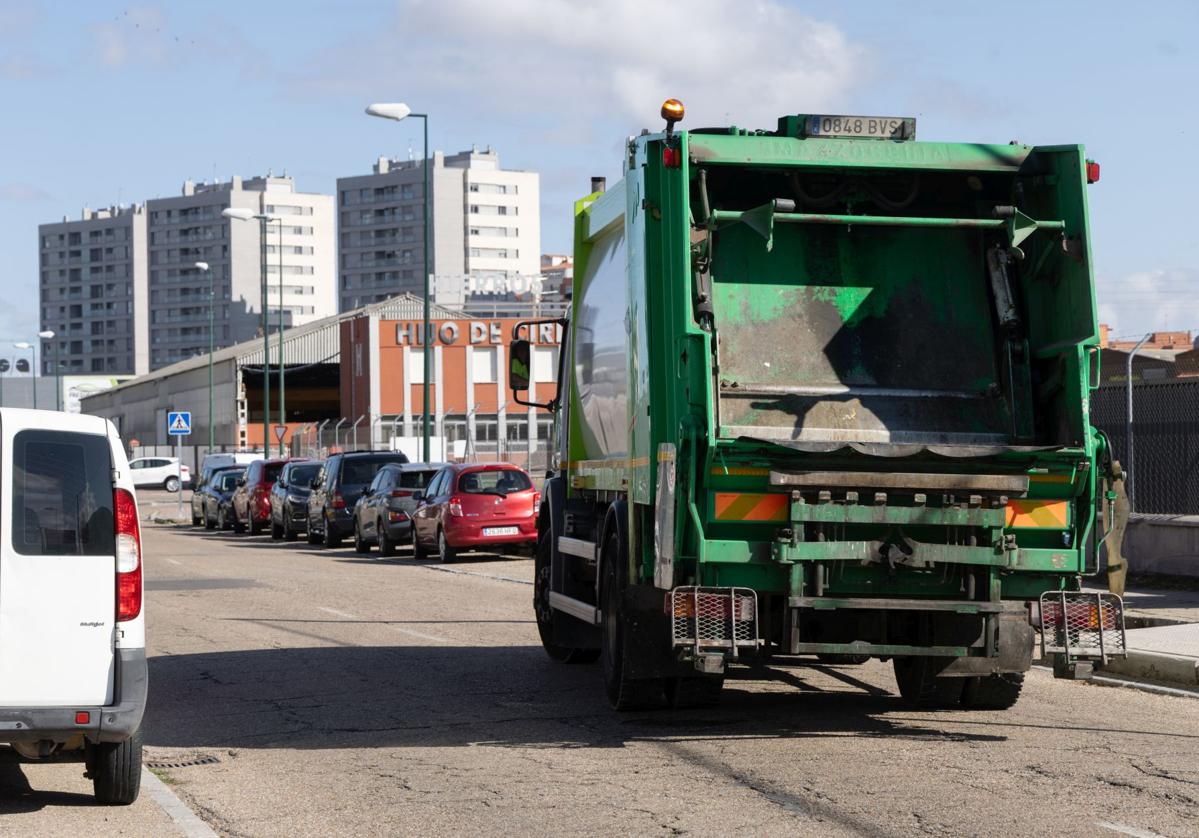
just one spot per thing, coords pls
(129, 556)
(672, 158)
(82, 717)
(1092, 171)
(338, 501)
(455, 506)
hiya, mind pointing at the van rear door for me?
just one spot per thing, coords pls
(57, 560)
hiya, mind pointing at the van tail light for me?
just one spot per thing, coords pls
(455, 507)
(129, 556)
(338, 501)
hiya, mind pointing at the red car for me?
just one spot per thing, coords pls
(251, 502)
(469, 505)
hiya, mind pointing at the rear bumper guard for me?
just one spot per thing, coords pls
(1082, 627)
(713, 621)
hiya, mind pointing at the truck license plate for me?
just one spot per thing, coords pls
(872, 127)
(501, 530)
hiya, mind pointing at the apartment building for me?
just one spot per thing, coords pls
(190, 228)
(486, 224)
(93, 293)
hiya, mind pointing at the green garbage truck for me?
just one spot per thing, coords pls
(823, 391)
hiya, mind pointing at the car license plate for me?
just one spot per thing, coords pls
(867, 127)
(501, 530)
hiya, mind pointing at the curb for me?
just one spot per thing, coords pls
(1154, 666)
(159, 519)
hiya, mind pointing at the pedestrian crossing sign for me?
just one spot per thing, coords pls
(179, 422)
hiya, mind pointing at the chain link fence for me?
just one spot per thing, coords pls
(1164, 468)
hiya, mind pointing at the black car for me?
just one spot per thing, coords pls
(383, 515)
(289, 499)
(336, 489)
(218, 497)
(199, 498)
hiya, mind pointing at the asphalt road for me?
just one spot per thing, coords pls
(327, 693)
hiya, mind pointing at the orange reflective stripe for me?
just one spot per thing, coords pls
(746, 506)
(1028, 514)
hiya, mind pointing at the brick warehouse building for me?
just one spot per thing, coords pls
(382, 375)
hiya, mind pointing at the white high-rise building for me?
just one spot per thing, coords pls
(189, 228)
(486, 224)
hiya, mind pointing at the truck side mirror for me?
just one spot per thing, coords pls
(519, 354)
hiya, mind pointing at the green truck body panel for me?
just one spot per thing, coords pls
(780, 304)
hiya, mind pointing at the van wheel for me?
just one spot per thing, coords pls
(418, 552)
(445, 552)
(116, 770)
(171, 484)
(387, 547)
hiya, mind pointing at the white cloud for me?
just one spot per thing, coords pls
(136, 34)
(572, 65)
(17, 191)
(1163, 299)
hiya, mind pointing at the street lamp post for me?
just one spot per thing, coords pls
(48, 334)
(204, 267)
(398, 111)
(282, 383)
(24, 344)
(263, 219)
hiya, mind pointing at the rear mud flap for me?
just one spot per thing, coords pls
(648, 653)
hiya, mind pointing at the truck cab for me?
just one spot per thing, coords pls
(824, 391)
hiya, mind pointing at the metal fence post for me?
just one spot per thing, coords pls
(1129, 470)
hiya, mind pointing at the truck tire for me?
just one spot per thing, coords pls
(545, 615)
(683, 693)
(920, 686)
(116, 770)
(992, 692)
(624, 692)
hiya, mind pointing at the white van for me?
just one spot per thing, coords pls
(72, 629)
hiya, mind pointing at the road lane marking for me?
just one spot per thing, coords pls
(175, 562)
(189, 822)
(475, 573)
(1129, 830)
(417, 634)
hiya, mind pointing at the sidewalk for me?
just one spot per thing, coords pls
(1163, 637)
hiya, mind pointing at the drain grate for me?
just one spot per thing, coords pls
(182, 763)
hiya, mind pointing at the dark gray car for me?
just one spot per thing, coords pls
(336, 489)
(289, 498)
(383, 515)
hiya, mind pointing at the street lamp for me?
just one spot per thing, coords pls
(203, 267)
(24, 344)
(263, 220)
(48, 334)
(397, 111)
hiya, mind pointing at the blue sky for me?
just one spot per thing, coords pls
(106, 102)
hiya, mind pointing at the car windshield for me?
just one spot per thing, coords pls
(416, 479)
(498, 481)
(301, 476)
(361, 472)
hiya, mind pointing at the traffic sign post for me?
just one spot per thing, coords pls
(179, 425)
(280, 432)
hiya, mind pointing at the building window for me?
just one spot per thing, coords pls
(545, 364)
(483, 366)
(416, 366)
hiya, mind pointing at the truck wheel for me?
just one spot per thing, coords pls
(418, 552)
(387, 547)
(992, 692)
(546, 615)
(693, 692)
(920, 686)
(171, 484)
(841, 659)
(116, 770)
(445, 552)
(624, 693)
(360, 545)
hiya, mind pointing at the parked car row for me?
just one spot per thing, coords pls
(378, 499)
